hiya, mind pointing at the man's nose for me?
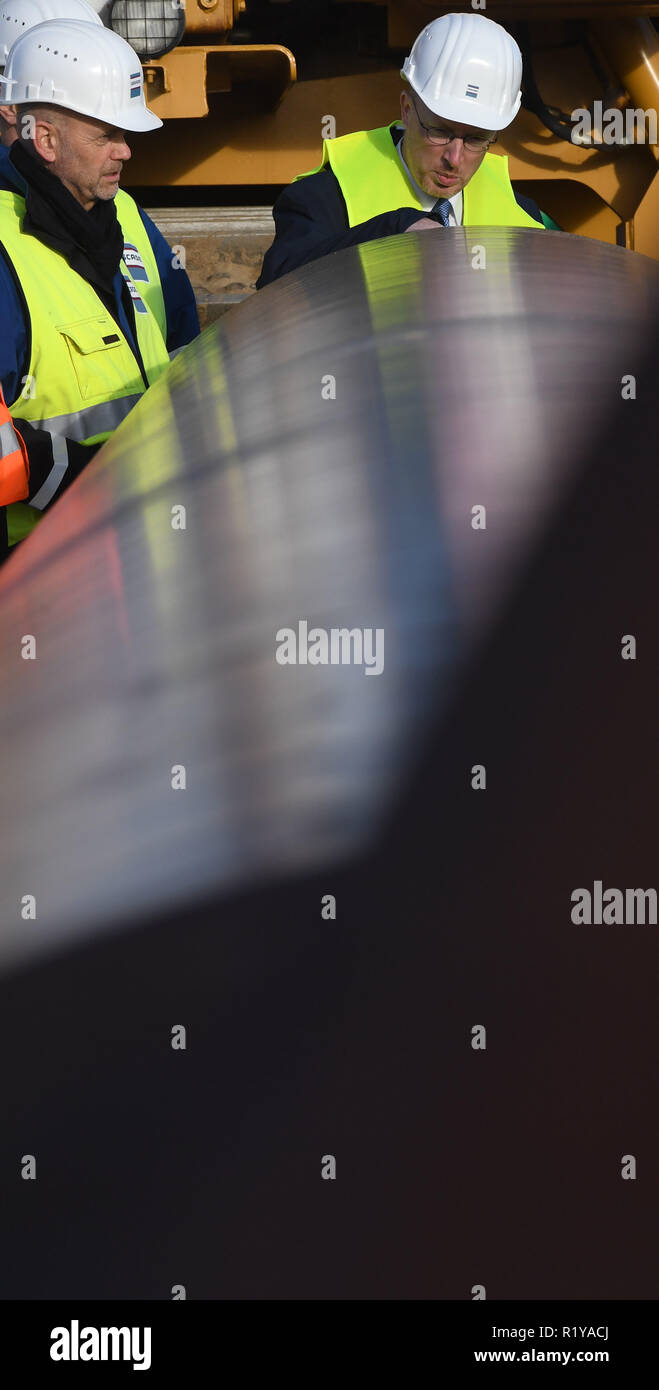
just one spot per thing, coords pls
(452, 150)
(122, 151)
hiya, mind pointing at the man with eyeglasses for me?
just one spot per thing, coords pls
(430, 169)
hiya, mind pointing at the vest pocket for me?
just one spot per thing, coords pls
(91, 344)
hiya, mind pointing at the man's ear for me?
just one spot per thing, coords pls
(42, 133)
(405, 107)
(8, 114)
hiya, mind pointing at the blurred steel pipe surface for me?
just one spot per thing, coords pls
(328, 441)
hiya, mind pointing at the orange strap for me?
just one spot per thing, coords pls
(14, 464)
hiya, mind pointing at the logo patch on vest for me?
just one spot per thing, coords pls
(134, 262)
(135, 296)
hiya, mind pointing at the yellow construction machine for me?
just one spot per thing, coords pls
(248, 89)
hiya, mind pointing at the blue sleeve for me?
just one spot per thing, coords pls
(311, 221)
(180, 303)
(14, 362)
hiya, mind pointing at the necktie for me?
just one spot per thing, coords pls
(441, 211)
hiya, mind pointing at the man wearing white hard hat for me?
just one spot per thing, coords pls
(429, 169)
(16, 17)
(93, 303)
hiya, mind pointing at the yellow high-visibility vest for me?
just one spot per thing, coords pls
(83, 377)
(373, 181)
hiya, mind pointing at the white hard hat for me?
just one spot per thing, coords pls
(85, 68)
(467, 69)
(18, 15)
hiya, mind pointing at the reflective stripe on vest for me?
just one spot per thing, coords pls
(83, 378)
(373, 181)
(95, 422)
(51, 483)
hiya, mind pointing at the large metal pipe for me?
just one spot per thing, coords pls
(329, 441)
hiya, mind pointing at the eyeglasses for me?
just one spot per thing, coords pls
(436, 136)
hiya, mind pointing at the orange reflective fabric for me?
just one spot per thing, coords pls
(14, 465)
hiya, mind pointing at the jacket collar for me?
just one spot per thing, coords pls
(10, 179)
